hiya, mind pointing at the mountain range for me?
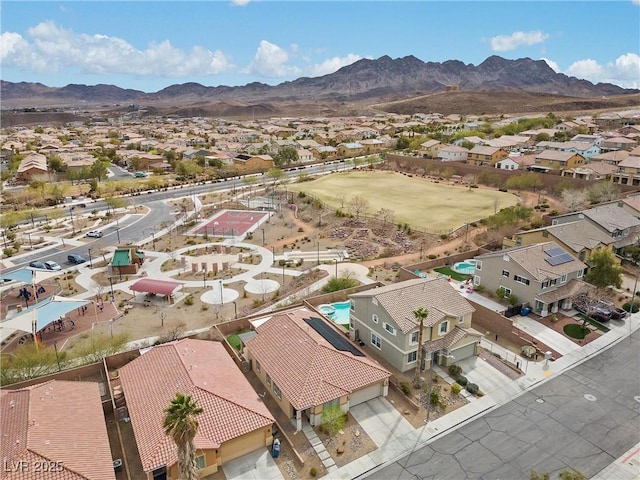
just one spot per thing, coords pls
(366, 81)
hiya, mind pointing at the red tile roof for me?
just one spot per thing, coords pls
(198, 368)
(56, 421)
(160, 287)
(306, 368)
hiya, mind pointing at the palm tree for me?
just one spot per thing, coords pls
(420, 314)
(180, 423)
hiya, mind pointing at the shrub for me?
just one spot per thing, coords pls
(405, 387)
(472, 388)
(455, 389)
(628, 307)
(432, 256)
(188, 300)
(313, 472)
(461, 380)
(455, 370)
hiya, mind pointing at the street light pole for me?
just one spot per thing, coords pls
(235, 310)
(30, 244)
(113, 297)
(318, 244)
(73, 225)
(336, 260)
(90, 261)
(283, 264)
(221, 294)
(118, 234)
(204, 278)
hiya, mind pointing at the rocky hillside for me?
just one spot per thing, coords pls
(371, 81)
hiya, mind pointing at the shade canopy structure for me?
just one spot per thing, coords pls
(28, 275)
(37, 317)
(159, 287)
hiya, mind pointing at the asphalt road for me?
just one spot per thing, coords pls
(138, 228)
(584, 419)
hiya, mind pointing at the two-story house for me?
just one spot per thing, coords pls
(384, 319)
(628, 171)
(556, 160)
(579, 238)
(544, 275)
(452, 153)
(481, 155)
(618, 224)
(586, 149)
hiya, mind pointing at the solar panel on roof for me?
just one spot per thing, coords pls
(559, 259)
(336, 340)
(552, 252)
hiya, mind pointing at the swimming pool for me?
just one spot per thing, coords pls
(468, 267)
(338, 312)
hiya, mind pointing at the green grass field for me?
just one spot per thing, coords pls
(422, 204)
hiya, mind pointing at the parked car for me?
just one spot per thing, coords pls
(601, 315)
(616, 312)
(94, 234)
(51, 265)
(75, 258)
(141, 174)
(38, 265)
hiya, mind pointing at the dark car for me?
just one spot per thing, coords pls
(38, 265)
(75, 258)
(601, 315)
(616, 313)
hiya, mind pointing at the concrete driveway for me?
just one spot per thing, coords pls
(258, 465)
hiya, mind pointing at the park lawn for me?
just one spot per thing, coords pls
(428, 206)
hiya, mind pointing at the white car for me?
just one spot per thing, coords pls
(94, 234)
(51, 265)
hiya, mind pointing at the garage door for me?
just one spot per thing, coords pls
(365, 394)
(464, 352)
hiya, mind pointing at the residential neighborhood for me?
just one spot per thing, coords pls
(301, 333)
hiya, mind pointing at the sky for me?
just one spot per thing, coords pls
(149, 45)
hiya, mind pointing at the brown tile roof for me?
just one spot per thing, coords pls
(307, 368)
(401, 299)
(198, 368)
(36, 428)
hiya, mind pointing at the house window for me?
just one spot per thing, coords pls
(374, 318)
(563, 279)
(545, 234)
(268, 380)
(414, 337)
(518, 240)
(505, 273)
(519, 279)
(352, 306)
(477, 279)
(580, 273)
(375, 340)
(389, 328)
(277, 392)
(257, 366)
(201, 462)
(507, 291)
(461, 319)
(443, 328)
(478, 264)
(412, 357)
(374, 301)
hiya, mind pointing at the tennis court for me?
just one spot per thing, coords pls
(232, 223)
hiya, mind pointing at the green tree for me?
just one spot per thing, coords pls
(181, 425)
(339, 283)
(115, 202)
(402, 143)
(333, 419)
(97, 346)
(286, 156)
(99, 170)
(188, 169)
(276, 175)
(55, 163)
(29, 361)
(604, 269)
(420, 314)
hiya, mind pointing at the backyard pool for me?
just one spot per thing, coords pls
(338, 312)
(468, 267)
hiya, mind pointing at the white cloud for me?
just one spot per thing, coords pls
(50, 48)
(503, 43)
(240, 3)
(635, 2)
(623, 71)
(331, 65)
(270, 61)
